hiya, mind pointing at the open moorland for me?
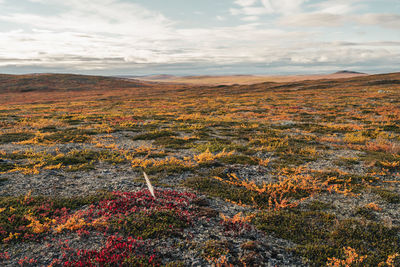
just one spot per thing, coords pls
(293, 173)
(244, 79)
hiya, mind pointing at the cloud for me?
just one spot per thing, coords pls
(283, 6)
(383, 20)
(245, 3)
(250, 18)
(83, 35)
(263, 7)
(335, 20)
(91, 36)
(318, 14)
(249, 11)
(335, 7)
(341, 55)
(313, 20)
(87, 16)
(87, 29)
(96, 50)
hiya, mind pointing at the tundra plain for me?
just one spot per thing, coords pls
(300, 172)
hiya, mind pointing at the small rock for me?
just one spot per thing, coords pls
(207, 212)
(201, 201)
(196, 263)
(252, 259)
(250, 245)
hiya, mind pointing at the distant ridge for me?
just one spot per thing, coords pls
(48, 82)
(160, 77)
(35, 88)
(348, 72)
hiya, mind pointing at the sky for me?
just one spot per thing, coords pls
(199, 37)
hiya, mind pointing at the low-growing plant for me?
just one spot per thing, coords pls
(116, 252)
(389, 196)
(317, 205)
(152, 224)
(5, 166)
(212, 250)
(174, 142)
(216, 146)
(26, 217)
(320, 235)
(154, 135)
(15, 137)
(168, 165)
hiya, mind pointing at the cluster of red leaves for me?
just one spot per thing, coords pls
(130, 250)
(116, 252)
(130, 202)
(235, 228)
(27, 262)
(99, 216)
(124, 204)
(4, 256)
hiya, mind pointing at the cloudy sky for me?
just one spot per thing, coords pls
(188, 37)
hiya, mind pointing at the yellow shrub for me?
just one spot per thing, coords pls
(351, 258)
(355, 138)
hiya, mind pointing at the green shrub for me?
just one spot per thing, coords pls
(155, 224)
(68, 136)
(387, 195)
(15, 137)
(320, 235)
(153, 135)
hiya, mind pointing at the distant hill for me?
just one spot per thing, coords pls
(349, 72)
(159, 77)
(62, 82)
(34, 88)
(154, 77)
(62, 87)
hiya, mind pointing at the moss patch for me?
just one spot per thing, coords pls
(388, 195)
(156, 224)
(15, 137)
(154, 135)
(320, 235)
(216, 188)
(214, 249)
(68, 136)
